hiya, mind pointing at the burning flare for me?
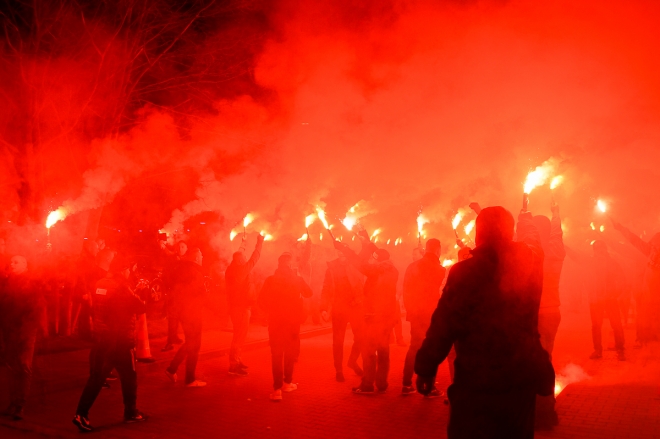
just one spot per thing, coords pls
(447, 262)
(232, 235)
(421, 220)
(309, 220)
(303, 238)
(375, 234)
(457, 219)
(556, 182)
(539, 176)
(602, 206)
(321, 215)
(248, 219)
(55, 216)
(266, 235)
(469, 227)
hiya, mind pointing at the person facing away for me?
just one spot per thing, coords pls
(489, 312)
(421, 292)
(169, 277)
(22, 315)
(342, 297)
(380, 311)
(606, 285)
(114, 308)
(188, 294)
(281, 298)
(238, 281)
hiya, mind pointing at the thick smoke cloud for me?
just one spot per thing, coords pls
(414, 104)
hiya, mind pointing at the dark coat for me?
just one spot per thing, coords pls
(114, 310)
(238, 280)
(188, 289)
(22, 305)
(342, 288)
(421, 287)
(281, 297)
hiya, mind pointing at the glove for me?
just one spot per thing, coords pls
(425, 384)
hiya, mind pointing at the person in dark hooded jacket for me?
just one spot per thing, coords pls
(281, 297)
(380, 312)
(489, 312)
(238, 280)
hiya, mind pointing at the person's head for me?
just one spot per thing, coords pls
(600, 248)
(239, 258)
(494, 225)
(433, 247)
(181, 248)
(417, 254)
(285, 260)
(18, 265)
(121, 266)
(380, 255)
(194, 255)
(104, 259)
(542, 224)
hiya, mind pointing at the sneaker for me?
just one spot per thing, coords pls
(357, 369)
(289, 387)
(196, 383)
(276, 396)
(135, 417)
(435, 393)
(171, 376)
(82, 423)
(167, 347)
(238, 371)
(621, 355)
(363, 390)
(596, 355)
(340, 377)
(407, 390)
(242, 365)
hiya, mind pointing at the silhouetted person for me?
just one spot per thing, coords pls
(115, 308)
(189, 292)
(648, 306)
(87, 274)
(22, 314)
(606, 284)
(489, 312)
(238, 280)
(173, 312)
(421, 292)
(379, 311)
(342, 297)
(281, 297)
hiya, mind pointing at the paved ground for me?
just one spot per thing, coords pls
(617, 401)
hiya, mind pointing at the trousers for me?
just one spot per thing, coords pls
(240, 319)
(189, 350)
(418, 330)
(284, 346)
(340, 322)
(376, 354)
(19, 353)
(599, 310)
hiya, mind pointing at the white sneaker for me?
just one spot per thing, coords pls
(196, 383)
(289, 387)
(171, 376)
(276, 395)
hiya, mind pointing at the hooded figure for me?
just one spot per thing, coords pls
(380, 311)
(648, 306)
(489, 312)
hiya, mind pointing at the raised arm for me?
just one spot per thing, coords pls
(635, 240)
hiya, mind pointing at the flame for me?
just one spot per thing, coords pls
(602, 228)
(303, 238)
(447, 262)
(309, 220)
(349, 222)
(469, 227)
(321, 215)
(601, 206)
(388, 242)
(321, 237)
(556, 181)
(266, 235)
(593, 227)
(375, 234)
(539, 176)
(55, 216)
(232, 235)
(398, 241)
(248, 219)
(421, 220)
(457, 219)
(558, 388)
(592, 242)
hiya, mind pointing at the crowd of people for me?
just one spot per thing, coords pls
(493, 316)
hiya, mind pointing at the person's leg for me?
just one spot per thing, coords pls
(236, 315)
(21, 366)
(293, 339)
(178, 357)
(369, 356)
(597, 314)
(614, 315)
(451, 357)
(339, 324)
(192, 330)
(277, 355)
(357, 327)
(417, 333)
(123, 360)
(548, 326)
(383, 353)
(172, 322)
(99, 370)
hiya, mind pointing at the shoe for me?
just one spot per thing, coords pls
(435, 393)
(407, 390)
(171, 376)
(357, 369)
(242, 365)
(381, 389)
(135, 417)
(289, 387)
(339, 376)
(621, 355)
(82, 423)
(238, 371)
(196, 383)
(146, 360)
(363, 390)
(177, 341)
(167, 347)
(276, 396)
(596, 355)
